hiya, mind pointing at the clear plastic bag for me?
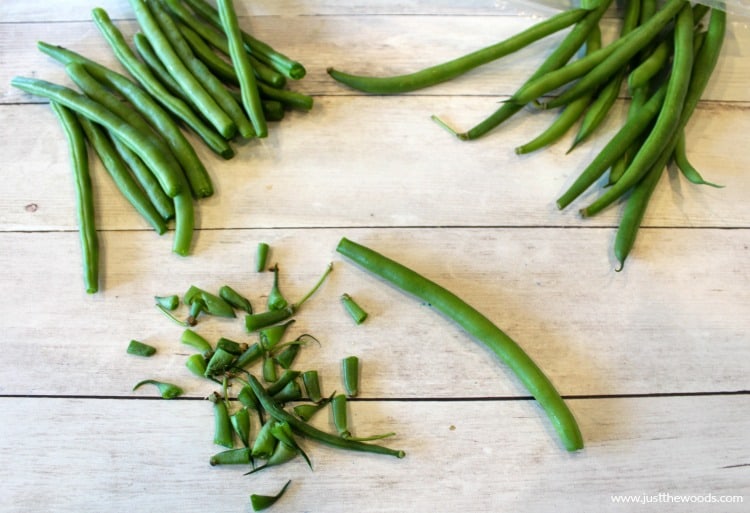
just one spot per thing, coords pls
(736, 7)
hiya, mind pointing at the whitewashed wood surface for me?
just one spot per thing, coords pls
(654, 361)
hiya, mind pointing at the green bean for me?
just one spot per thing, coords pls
(606, 96)
(281, 415)
(286, 357)
(231, 457)
(145, 148)
(618, 167)
(223, 434)
(166, 390)
(198, 33)
(312, 385)
(189, 83)
(636, 41)
(570, 114)
(306, 411)
(169, 302)
(272, 335)
(273, 110)
(251, 355)
(248, 399)
(235, 299)
(292, 391)
(668, 120)
(241, 423)
(281, 454)
(220, 361)
(241, 62)
(196, 364)
(264, 443)
(261, 256)
(341, 421)
(650, 66)
(257, 321)
(559, 56)
(355, 311)
(140, 349)
(121, 176)
(269, 370)
(286, 377)
(202, 74)
(230, 346)
(291, 99)
(276, 300)
(282, 431)
(157, 69)
(192, 339)
(261, 502)
(616, 147)
(214, 304)
(350, 375)
(261, 50)
(683, 163)
(451, 69)
(479, 327)
(84, 196)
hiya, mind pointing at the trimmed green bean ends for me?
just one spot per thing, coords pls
(261, 502)
(353, 309)
(350, 375)
(479, 327)
(140, 349)
(168, 302)
(166, 390)
(261, 256)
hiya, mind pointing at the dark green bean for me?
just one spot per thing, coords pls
(84, 196)
(166, 390)
(230, 346)
(478, 326)
(559, 56)
(223, 434)
(312, 385)
(241, 424)
(261, 502)
(261, 256)
(235, 299)
(145, 148)
(140, 349)
(231, 457)
(683, 163)
(180, 72)
(291, 99)
(635, 42)
(194, 169)
(261, 50)
(353, 309)
(282, 431)
(269, 370)
(350, 375)
(264, 443)
(281, 415)
(243, 66)
(121, 176)
(668, 120)
(448, 70)
(220, 361)
(291, 392)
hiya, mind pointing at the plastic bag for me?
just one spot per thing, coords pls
(736, 7)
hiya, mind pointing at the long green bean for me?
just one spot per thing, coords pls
(479, 327)
(84, 196)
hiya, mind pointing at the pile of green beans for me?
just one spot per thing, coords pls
(190, 64)
(263, 400)
(664, 55)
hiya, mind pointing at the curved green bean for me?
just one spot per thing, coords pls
(668, 120)
(84, 195)
(190, 84)
(451, 69)
(245, 74)
(479, 327)
(281, 415)
(685, 166)
(650, 66)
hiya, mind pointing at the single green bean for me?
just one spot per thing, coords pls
(223, 434)
(636, 41)
(261, 50)
(196, 364)
(350, 375)
(183, 151)
(559, 56)
(84, 196)
(570, 114)
(241, 424)
(243, 66)
(311, 381)
(231, 457)
(264, 443)
(478, 326)
(139, 348)
(281, 415)
(220, 361)
(668, 120)
(189, 83)
(145, 148)
(685, 166)
(166, 390)
(121, 176)
(169, 302)
(289, 98)
(235, 299)
(451, 69)
(261, 256)
(650, 66)
(276, 300)
(192, 339)
(261, 502)
(147, 53)
(353, 309)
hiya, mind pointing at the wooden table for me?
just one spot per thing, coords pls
(654, 360)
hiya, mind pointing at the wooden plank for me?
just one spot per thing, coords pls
(376, 161)
(461, 456)
(675, 320)
(364, 44)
